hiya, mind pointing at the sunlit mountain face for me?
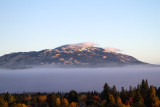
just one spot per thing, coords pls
(72, 55)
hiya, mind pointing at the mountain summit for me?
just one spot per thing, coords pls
(72, 55)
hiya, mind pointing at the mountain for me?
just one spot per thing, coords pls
(74, 55)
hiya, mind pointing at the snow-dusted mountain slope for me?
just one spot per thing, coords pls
(77, 55)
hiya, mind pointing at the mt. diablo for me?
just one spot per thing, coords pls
(74, 55)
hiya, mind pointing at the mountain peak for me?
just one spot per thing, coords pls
(77, 47)
(80, 54)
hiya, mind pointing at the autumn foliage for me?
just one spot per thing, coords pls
(141, 96)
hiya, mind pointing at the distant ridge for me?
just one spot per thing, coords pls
(72, 55)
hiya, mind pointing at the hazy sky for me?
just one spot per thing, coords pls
(132, 26)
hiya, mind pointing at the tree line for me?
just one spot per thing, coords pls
(141, 96)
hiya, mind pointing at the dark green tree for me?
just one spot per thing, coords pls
(73, 96)
(51, 99)
(130, 92)
(123, 95)
(114, 91)
(158, 92)
(138, 88)
(138, 100)
(105, 92)
(9, 98)
(144, 89)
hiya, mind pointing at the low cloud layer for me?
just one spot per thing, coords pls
(85, 44)
(92, 44)
(79, 79)
(112, 49)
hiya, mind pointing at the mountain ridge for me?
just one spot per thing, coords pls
(72, 55)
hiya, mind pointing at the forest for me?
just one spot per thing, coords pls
(142, 95)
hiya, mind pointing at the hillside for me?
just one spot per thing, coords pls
(77, 55)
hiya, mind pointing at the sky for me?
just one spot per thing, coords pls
(132, 26)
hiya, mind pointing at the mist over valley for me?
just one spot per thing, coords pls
(80, 79)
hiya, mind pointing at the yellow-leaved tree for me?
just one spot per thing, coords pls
(58, 102)
(3, 103)
(73, 104)
(154, 100)
(65, 102)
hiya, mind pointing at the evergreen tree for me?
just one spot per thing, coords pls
(73, 96)
(144, 89)
(158, 92)
(34, 101)
(131, 92)
(138, 88)
(114, 91)
(138, 98)
(9, 98)
(123, 95)
(51, 99)
(105, 92)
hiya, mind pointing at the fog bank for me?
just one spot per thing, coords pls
(79, 79)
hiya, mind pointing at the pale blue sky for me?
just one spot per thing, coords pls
(132, 26)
